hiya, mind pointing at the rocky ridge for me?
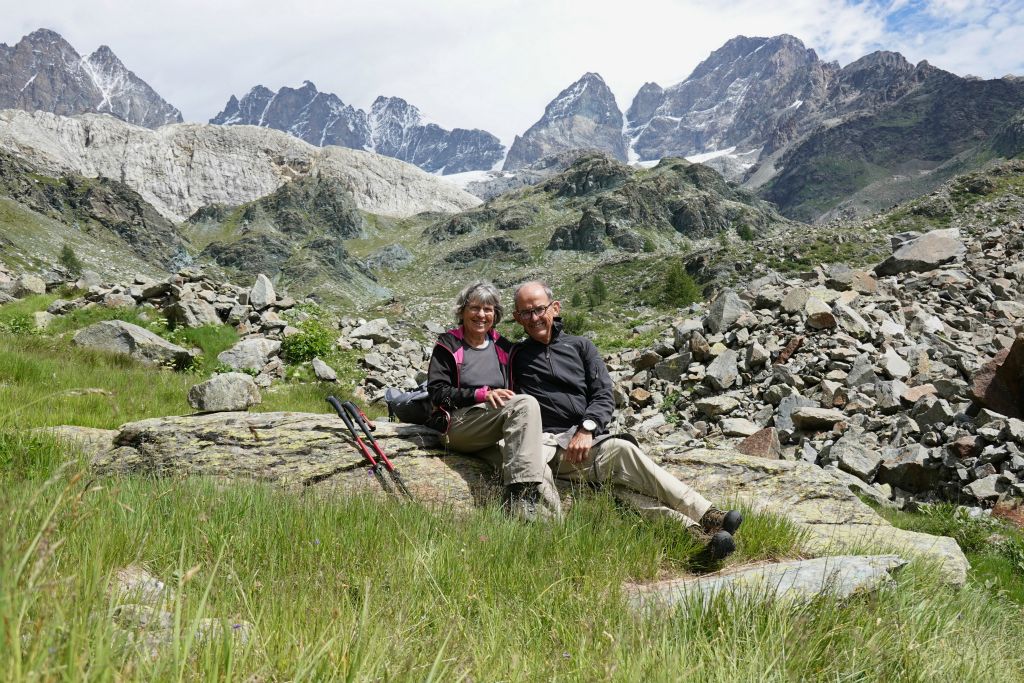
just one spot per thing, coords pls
(393, 127)
(181, 168)
(43, 72)
(583, 116)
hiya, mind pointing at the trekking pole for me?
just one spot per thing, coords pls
(365, 424)
(374, 465)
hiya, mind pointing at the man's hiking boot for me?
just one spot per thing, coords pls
(715, 520)
(717, 546)
(532, 502)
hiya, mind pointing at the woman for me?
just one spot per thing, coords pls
(467, 381)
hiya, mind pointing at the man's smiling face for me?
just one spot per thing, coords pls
(536, 312)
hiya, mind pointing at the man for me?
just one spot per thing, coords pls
(570, 381)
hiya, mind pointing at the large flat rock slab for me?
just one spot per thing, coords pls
(305, 450)
(796, 580)
(299, 450)
(835, 519)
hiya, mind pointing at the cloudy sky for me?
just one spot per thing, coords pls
(494, 64)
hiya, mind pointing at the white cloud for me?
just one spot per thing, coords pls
(491, 65)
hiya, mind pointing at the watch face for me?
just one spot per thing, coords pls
(589, 425)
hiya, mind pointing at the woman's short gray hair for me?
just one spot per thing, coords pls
(481, 292)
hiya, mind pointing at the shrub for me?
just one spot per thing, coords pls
(577, 299)
(680, 288)
(574, 322)
(314, 339)
(745, 232)
(69, 259)
(598, 292)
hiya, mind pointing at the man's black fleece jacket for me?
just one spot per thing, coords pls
(568, 378)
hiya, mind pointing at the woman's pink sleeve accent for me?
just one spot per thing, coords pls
(481, 394)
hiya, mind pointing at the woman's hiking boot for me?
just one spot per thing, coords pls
(715, 520)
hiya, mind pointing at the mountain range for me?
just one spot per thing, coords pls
(817, 139)
(44, 72)
(393, 127)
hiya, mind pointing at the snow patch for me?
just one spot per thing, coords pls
(28, 82)
(461, 180)
(706, 156)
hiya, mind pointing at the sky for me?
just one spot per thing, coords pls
(494, 64)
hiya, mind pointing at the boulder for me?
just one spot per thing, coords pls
(250, 354)
(673, 368)
(723, 371)
(377, 331)
(262, 293)
(855, 457)
(999, 384)
(117, 336)
(713, 406)
(301, 451)
(812, 418)
(323, 371)
(724, 310)
(738, 426)
(192, 313)
(784, 413)
(762, 444)
(27, 285)
(923, 253)
(790, 581)
(226, 392)
(910, 469)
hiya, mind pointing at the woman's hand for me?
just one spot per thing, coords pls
(497, 397)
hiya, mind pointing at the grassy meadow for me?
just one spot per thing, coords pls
(362, 589)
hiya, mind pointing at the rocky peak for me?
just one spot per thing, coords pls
(393, 127)
(583, 116)
(751, 86)
(44, 72)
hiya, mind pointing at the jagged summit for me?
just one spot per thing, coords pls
(44, 72)
(584, 115)
(393, 127)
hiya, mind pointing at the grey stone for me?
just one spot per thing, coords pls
(923, 253)
(262, 293)
(762, 444)
(989, 488)
(813, 418)
(784, 413)
(862, 372)
(41, 319)
(377, 330)
(851, 321)
(723, 371)
(117, 336)
(795, 300)
(738, 426)
(853, 456)
(791, 581)
(930, 412)
(193, 313)
(118, 300)
(756, 356)
(888, 396)
(910, 469)
(893, 365)
(681, 332)
(226, 392)
(673, 368)
(27, 285)
(250, 354)
(323, 371)
(724, 310)
(713, 406)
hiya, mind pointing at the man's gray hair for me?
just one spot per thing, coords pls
(480, 292)
(547, 290)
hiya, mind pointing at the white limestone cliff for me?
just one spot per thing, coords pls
(181, 167)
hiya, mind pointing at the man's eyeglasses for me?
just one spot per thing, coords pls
(536, 312)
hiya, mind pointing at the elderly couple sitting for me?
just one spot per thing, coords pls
(540, 408)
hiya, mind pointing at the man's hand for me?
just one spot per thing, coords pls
(497, 397)
(579, 446)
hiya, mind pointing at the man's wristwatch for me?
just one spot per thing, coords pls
(589, 426)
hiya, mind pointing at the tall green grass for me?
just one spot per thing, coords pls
(365, 589)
